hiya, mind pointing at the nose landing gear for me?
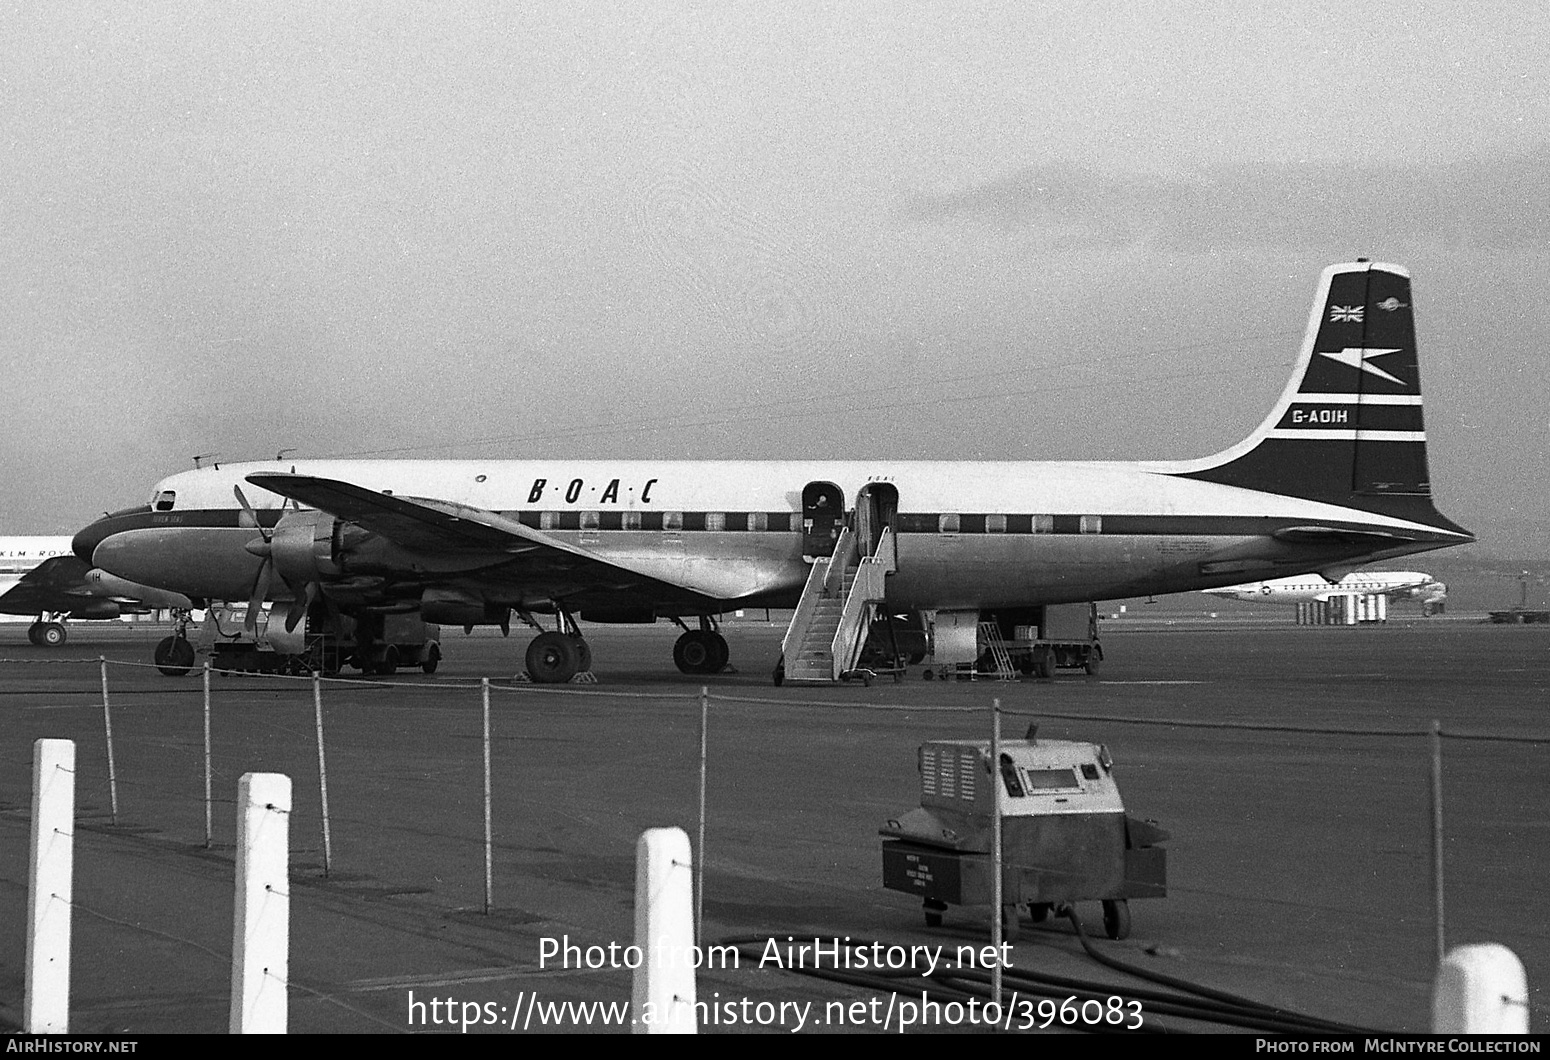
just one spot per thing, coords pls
(174, 655)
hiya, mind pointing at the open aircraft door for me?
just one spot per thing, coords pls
(877, 509)
(823, 513)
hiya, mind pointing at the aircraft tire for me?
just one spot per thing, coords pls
(1044, 662)
(1116, 918)
(583, 655)
(174, 656)
(52, 635)
(695, 652)
(553, 658)
(722, 653)
(35, 634)
(387, 666)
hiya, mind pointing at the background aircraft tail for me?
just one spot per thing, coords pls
(1348, 428)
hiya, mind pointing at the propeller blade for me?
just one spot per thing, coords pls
(260, 593)
(247, 509)
(300, 606)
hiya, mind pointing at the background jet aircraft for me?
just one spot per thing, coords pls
(1313, 588)
(1335, 477)
(42, 576)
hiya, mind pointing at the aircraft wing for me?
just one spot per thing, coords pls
(535, 560)
(58, 584)
(418, 523)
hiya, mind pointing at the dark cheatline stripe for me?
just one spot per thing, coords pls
(1317, 415)
(977, 523)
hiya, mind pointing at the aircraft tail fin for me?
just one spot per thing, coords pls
(1348, 428)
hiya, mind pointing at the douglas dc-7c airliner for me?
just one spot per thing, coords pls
(1311, 588)
(1334, 478)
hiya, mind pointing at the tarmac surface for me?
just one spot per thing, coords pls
(1291, 765)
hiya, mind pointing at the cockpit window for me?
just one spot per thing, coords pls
(165, 500)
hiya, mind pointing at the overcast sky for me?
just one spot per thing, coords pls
(960, 230)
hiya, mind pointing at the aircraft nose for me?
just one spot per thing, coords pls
(85, 542)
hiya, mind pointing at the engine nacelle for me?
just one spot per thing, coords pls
(452, 608)
(304, 547)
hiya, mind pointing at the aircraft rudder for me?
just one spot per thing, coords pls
(1349, 423)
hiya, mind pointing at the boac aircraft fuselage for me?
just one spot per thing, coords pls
(1334, 478)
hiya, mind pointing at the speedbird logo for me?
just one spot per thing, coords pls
(1361, 357)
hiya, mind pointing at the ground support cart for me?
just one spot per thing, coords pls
(1065, 834)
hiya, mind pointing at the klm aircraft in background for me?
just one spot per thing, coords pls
(42, 576)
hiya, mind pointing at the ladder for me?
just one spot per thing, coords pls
(990, 633)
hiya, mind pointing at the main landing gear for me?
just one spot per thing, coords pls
(701, 651)
(46, 633)
(557, 656)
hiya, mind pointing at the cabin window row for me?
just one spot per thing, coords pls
(780, 522)
(964, 523)
(783, 522)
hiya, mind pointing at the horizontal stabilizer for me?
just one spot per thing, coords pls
(1340, 535)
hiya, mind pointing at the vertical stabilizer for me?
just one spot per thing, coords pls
(1348, 428)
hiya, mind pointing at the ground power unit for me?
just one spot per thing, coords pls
(1065, 834)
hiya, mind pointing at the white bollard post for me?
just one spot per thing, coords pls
(260, 945)
(47, 997)
(663, 1001)
(1480, 989)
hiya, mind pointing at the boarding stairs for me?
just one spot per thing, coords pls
(829, 627)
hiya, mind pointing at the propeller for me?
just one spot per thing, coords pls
(301, 602)
(263, 548)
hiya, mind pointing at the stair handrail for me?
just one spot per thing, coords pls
(885, 552)
(839, 562)
(855, 620)
(802, 617)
